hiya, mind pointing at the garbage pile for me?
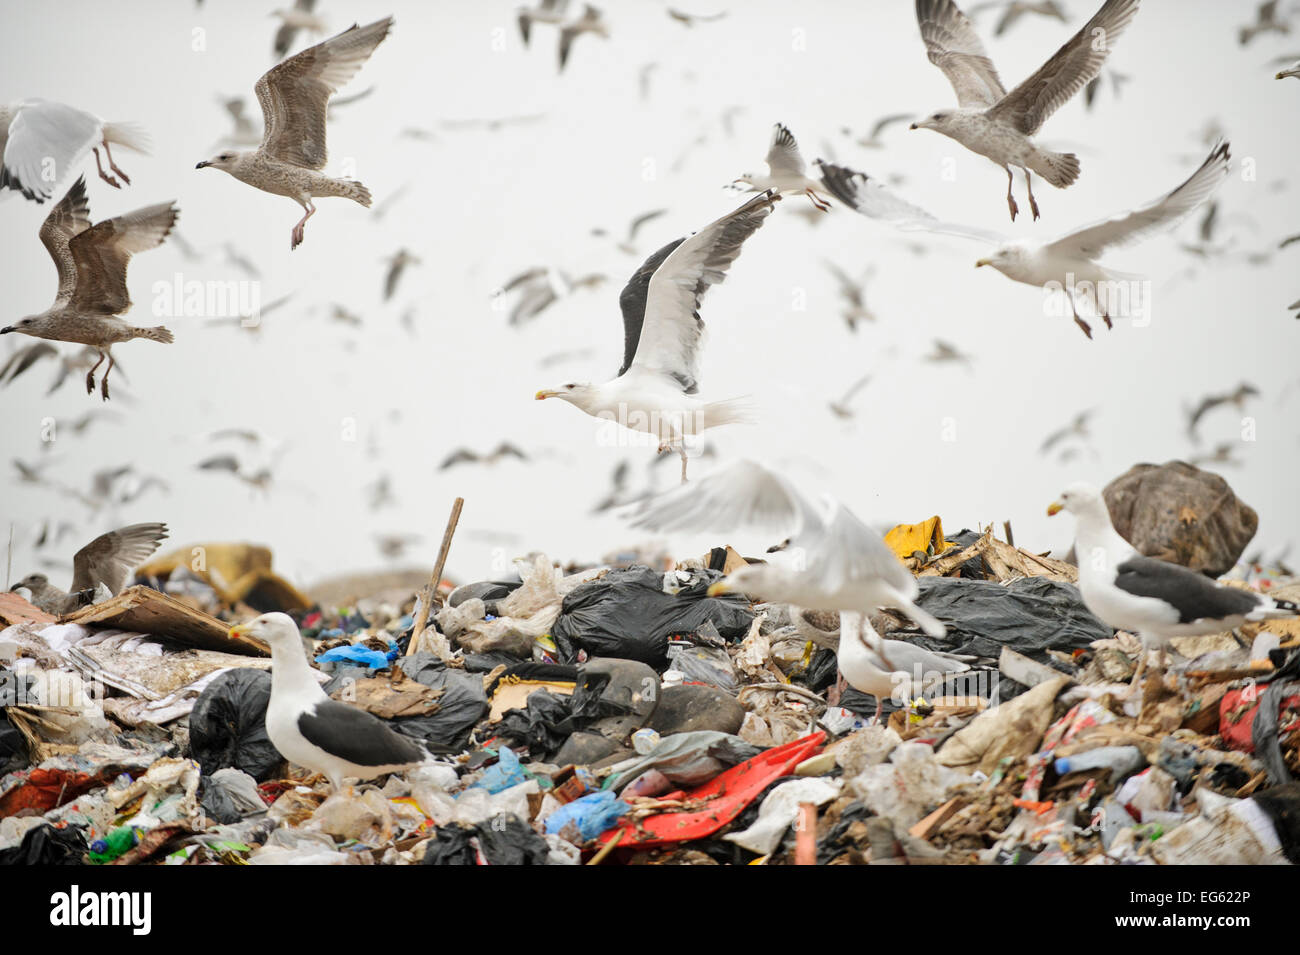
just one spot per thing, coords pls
(621, 715)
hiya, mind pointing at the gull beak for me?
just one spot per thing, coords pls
(914, 126)
(543, 394)
(983, 262)
(238, 631)
(718, 589)
(202, 164)
(1055, 508)
(7, 329)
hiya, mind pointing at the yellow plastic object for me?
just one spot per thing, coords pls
(927, 537)
(235, 571)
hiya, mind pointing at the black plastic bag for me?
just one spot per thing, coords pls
(508, 840)
(228, 725)
(216, 802)
(450, 845)
(1030, 615)
(626, 614)
(542, 725)
(47, 845)
(461, 705)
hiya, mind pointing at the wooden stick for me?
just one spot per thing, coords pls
(1006, 530)
(805, 835)
(430, 592)
(606, 849)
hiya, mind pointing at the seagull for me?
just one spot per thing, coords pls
(839, 562)
(591, 21)
(872, 199)
(1149, 597)
(785, 170)
(24, 358)
(655, 390)
(1237, 398)
(91, 263)
(295, 18)
(260, 481)
(108, 561)
(547, 11)
(1076, 428)
(690, 19)
(1013, 10)
(946, 352)
(872, 140)
(41, 142)
(308, 728)
(540, 288)
(1117, 81)
(1070, 262)
(841, 408)
(246, 132)
(997, 124)
(626, 245)
(853, 292)
(888, 668)
(396, 265)
(1266, 21)
(1222, 454)
(293, 96)
(468, 456)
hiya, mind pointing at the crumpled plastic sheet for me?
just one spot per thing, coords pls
(779, 810)
(590, 815)
(689, 759)
(908, 786)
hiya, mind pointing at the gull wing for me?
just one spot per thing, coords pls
(69, 218)
(783, 157)
(102, 252)
(42, 143)
(952, 44)
(110, 558)
(871, 198)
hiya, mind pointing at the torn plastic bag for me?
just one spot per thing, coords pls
(46, 845)
(588, 816)
(780, 808)
(627, 614)
(689, 759)
(542, 725)
(508, 840)
(1031, 615)
(228, 725)
(707, 665)
(461, 705)
(450, 845)
(229, 795)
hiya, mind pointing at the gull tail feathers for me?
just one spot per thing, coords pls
(351, 189)
(1060, 169)
(127, 134)
(728, 411)
(1270, 607)
(156, 334)
(932, 625)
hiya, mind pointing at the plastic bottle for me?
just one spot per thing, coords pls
(116, 843)
(1120, 760)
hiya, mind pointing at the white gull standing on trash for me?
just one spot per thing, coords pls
(294, 95)
(997, 124)
(1149, 597)
(308, 728)
(839, 562)
(655, 390)
(888, 668)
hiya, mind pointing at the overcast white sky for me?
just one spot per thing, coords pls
(483, 205)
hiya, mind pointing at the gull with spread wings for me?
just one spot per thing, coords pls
(655, 390)
(91, 262)
(994, 123)
(106, 563)
(294, 96)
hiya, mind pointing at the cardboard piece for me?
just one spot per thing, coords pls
(145, 610)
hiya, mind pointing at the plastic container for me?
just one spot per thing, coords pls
(1120, 760)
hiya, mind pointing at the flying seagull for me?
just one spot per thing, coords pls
(108, 562)
(1237, 398)
(293, 96)
(308, 728)
(592, 21)
(41, 142)
(840, 563)
(842, 408)
(1266, 21)
(1076, 428)
(853, 292)
(469, 456)
(1149, 597)
(1014, 10)
(997, 124)
(872, 199)
(1070, 262)
(397, 264)
(786, 171)
(295, 18)
(655, 390)
(547, 11)
(91, 263)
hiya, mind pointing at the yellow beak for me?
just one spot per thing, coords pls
(237, 631)
(718, 589)
(1055, 508)
(543, 394)
(983, 262)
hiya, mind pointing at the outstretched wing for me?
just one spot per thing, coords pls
(110, 558)
(632, 301)
(871, 198)
(1071, 68)
(293, 94)
(69, 218)
(952, 44)
(671, 333)
(1161, 214)
(783, 157)
(45, 141)
(101, 254)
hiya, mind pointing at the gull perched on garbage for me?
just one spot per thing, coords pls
(786, 171)
(997, 124)
(655, 390)
(839, 562)
(1150, 597)
(105, 564)
(888, 668)
(1070, 262)
(294, 95)
(91, 263)
(308, 728)
(42, 141)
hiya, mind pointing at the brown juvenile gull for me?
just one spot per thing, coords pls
(42, 141)
(293, 96)
(997, 124)
(91, 261)
(108, 561)
(655, 390)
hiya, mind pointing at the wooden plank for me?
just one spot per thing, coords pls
(14, 610)
(145, 610)
(1020, 668)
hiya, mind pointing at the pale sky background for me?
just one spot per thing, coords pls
(483, 205)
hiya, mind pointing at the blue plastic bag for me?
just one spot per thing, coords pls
(506, 772)
(592, 814)
(355, 653)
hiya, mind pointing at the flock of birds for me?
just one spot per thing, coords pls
(844, 567)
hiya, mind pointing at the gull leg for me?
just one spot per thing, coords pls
(103, 382)
(90, 375)
(1087, 329)
(875, 717)
(817, 201)
(103, 175)
(296, 239)
(681, 449)
(1011, 200)
(1029, 186)
(113, 166)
